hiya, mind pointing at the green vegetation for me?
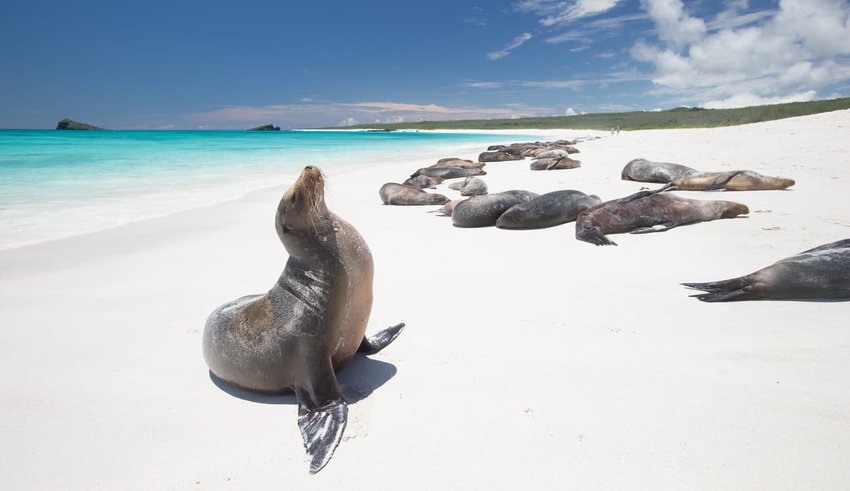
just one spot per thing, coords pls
(70, 124)
(681, 117)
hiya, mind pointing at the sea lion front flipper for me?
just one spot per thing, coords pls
(643, 194)
(372, 344)
(322, 414)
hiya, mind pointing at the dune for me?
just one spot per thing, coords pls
(530, 359)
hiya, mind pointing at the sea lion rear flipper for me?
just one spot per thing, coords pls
(722, 291)
(322, 414)
(372, 344)
(593, 235)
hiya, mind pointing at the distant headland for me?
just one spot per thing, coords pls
(265, 127)
(70, 124)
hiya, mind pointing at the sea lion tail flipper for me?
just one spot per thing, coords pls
(372, 344)
(722, 291)
(322, 412)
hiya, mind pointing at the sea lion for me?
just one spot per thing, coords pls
(483, 211)
(648, 211)
(502, 155)
(822, 273)
(402, 194)
(448, 172)
(473, 186)
(547, 210)
(688, 179)
(457, 186)
(454, 162)
(738, 180)
(423, 182)
(643, 170)
(446, 209)
(556, 163)
(311, 322)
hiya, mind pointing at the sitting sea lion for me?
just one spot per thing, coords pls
(402, 194)
(547, 210)
(483, 211)
(822, 273)
(688, 179)
(649, 211)
(309, 325)
(473, 186)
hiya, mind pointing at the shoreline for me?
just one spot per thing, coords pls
(529, 358)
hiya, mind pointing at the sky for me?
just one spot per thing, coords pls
(208, 64)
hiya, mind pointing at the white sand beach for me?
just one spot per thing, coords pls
(530, 359)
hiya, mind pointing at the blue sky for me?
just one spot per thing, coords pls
(214, 64)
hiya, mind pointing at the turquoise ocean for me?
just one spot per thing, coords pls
(56, 184)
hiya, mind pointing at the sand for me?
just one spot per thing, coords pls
(530, 359)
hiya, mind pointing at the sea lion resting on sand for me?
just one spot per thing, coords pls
(822, 273)
(402, 194)
(309, 325)
(649, 211)
(685, 178)
(423, 182)
(555, 163)
(547, 210)
(449, 172)
(483, 211)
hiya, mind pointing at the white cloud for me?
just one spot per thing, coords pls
(516, 43)
(675, 26)
(345, 114)
(554, 12)
(744, 100)
(570, 112)
(776, 55)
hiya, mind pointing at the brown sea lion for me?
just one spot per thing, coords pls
(309, 325)
(688, 179)
(822, 273)
(462, 163)
(402, 194)
(649, 211)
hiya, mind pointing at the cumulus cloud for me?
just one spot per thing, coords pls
(778, 55)
(570, 112)
(554, 12)
(516, 43)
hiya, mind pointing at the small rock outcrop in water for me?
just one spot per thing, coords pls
(265, 127)
(70, 124)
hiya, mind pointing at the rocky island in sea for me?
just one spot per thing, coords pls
(70, 124)
(265, 127)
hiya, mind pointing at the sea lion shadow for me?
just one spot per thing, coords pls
(357, 381)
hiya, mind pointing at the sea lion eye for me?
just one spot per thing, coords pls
(293, 199)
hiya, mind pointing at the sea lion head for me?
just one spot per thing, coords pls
(732, 209)
(302, 207)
